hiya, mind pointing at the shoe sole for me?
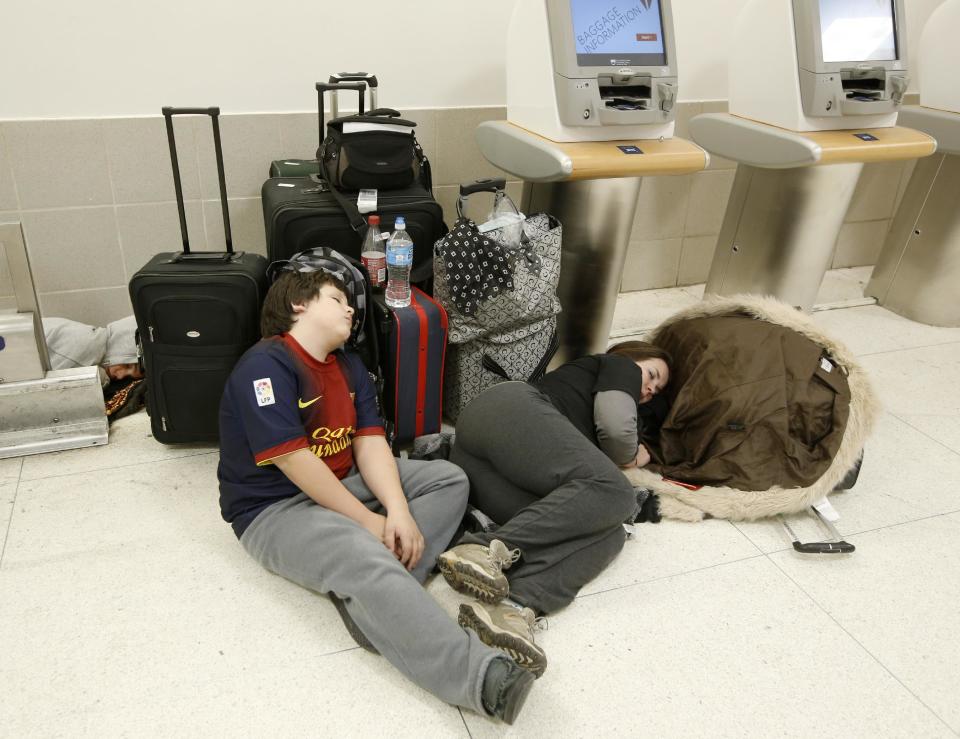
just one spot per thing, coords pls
(467, 579)
(519, 650)
(358, 636)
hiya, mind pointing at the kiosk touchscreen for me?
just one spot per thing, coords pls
(592, 70)
(815, 65)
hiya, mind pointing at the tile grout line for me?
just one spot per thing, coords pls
(760, 553)
(744, 535)
(464, 720)
(13, 508)
(121, 466)
(675, 574)
(901, 523)
(909, 348)
(83, 290)
(868, 531)
(137, 204)
(114, 204)
(924, 433)
(13, 177)
(860, 644)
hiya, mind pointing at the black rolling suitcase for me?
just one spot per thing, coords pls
(197, 313)
(413, 347)
(300, 213)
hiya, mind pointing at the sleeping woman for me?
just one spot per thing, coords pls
(545, 462)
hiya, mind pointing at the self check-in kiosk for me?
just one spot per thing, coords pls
(819, 65)
(41, 410)
(815, 88)
(592, 70)
(591, 101)
(918, 270)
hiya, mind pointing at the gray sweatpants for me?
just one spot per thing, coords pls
(555, 495)
(329, 552)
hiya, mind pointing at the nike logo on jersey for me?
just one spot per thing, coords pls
(303, 404)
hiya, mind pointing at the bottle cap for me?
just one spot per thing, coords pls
(400, 222)
(373, 220)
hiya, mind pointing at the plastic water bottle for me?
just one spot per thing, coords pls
(399, 260)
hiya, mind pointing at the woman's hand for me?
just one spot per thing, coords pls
(402, 536)
(641, 460)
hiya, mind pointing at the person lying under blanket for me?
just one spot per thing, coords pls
(114, 349)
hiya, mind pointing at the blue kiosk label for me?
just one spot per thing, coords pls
(630, 149)
(866, 137)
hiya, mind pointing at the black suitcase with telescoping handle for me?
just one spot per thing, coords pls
(197, 313)
(300, 213)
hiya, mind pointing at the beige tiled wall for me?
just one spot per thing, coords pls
(96, 198)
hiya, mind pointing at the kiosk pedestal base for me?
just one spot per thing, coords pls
(597, 217)
(592, 189)
(61, 410)
(779, 231)
(918, 270)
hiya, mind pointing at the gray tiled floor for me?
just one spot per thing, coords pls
(127, 607)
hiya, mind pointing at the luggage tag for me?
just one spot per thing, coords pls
(825, 508)
(367, 201)
(501, 221)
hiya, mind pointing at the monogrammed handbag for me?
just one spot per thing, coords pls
(499, 288)
(482, 363)
(491, 286)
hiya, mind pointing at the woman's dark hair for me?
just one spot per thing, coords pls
(289, 289)
(640, 350)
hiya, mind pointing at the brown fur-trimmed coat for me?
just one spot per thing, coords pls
(744, 379)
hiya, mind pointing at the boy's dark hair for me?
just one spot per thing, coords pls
(290, 288)
(640, 350)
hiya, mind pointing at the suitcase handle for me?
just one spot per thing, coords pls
(384, 112)
(214, 113)
(486, 185)
(323, 87)
(369, 79)
(207, 256)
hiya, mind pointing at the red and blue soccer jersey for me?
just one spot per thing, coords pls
(278, 400)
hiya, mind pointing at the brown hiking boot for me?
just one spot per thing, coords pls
(510, 629)
(477, 570)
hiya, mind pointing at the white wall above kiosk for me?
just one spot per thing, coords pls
(939, 59)
(592, 70)
(819, 65)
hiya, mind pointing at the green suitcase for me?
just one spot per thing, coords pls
(294, 167)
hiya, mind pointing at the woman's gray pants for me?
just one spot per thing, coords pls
(555, 495)
(329, 552)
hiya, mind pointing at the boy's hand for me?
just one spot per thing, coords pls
(402, 536)
(376, 524)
